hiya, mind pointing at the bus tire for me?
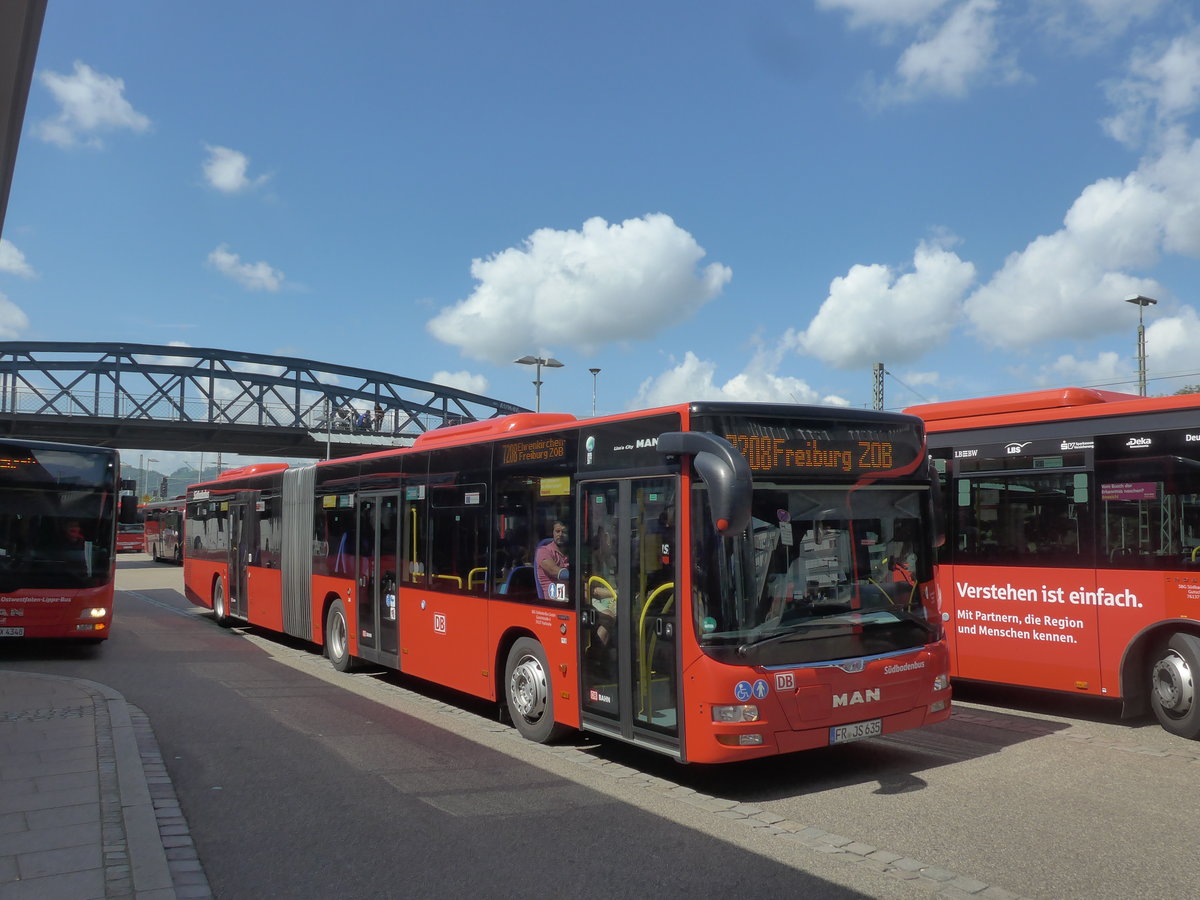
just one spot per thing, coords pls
(220, 603)
(528, 692)
(337, 637)
(1173, 692)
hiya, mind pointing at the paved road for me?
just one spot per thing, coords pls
(1047, 799)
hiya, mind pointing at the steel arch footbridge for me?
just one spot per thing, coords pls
(154, 397)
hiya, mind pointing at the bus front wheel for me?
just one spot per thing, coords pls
(337, 637)
(1173, 693)
(528, 692)
(220, 603)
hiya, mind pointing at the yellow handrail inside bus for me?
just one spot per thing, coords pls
(596, 579)
(646, 653)
(1194, 551)
(457, 581)
(481, 571)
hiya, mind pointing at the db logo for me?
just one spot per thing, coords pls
(439, 623)
(785, 681)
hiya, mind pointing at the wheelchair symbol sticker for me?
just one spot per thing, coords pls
(741, 691)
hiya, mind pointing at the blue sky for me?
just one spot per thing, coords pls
(751, 201)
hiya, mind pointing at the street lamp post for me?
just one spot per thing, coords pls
(594, 372)
(1142, 303)
(549, 362)
(149, 460)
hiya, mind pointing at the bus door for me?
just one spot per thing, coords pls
(628, 611)
(376, 575)
(387, 563)
(243, 544)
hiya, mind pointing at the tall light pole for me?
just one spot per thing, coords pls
(149, 460)
(1142, 303)
(549, 362)
(594, 372)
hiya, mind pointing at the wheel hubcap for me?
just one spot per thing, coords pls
(528, 688)
(1173, 685)
(337, 637)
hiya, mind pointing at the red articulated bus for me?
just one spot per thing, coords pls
(713, 581)
(163, 524)
(1072, 560)
(58, 522)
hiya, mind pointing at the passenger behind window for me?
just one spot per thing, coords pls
(553, 565)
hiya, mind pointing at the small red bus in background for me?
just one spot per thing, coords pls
(1072, 560)
(712, 581)
(130, 538)
(163, 523)
(58, 523)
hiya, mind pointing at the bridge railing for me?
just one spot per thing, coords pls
(320, 418)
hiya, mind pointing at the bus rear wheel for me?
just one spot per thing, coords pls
(337, 637)
(1173, 686)
(528, 692)
(220, 603)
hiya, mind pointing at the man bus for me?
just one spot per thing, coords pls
(1073, 556)
(58, 517)
(681, 615)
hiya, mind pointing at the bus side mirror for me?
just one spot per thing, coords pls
(128, 513)
(936, 506)
(724, 471)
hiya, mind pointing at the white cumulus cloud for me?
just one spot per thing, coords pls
(581, 289)
(257, 276)
(695, 379)
(226, 170)
(1070, 284)
(884, 12)
(90, 103)
(12, 319)
(462, 380)
(1161, 88)
(13, 260)
(874, 314)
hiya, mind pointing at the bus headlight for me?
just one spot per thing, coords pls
(97, 612)
(743, 712)
(941, 682)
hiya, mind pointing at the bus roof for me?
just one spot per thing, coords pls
(1042, 406)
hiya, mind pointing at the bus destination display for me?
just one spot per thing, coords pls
(782, 448)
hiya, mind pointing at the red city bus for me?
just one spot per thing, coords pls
(1072, 559)
(634, 575)
(163, 522)
(58, 518)
(130, 537)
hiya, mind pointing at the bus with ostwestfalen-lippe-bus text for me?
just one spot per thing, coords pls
(58, 522)
(1072, 559)
(714, 581)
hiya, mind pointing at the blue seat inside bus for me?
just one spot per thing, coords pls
(520, 581)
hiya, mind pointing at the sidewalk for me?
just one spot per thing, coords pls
(87, 809)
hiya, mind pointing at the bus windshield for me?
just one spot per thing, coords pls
(821, 574)
(56, 518)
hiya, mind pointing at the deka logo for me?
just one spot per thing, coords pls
(868, 696)
(1137, 443)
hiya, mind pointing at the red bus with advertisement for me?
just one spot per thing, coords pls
(1072, 559)
(163, 529)
(713, 581)
(58, 522)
